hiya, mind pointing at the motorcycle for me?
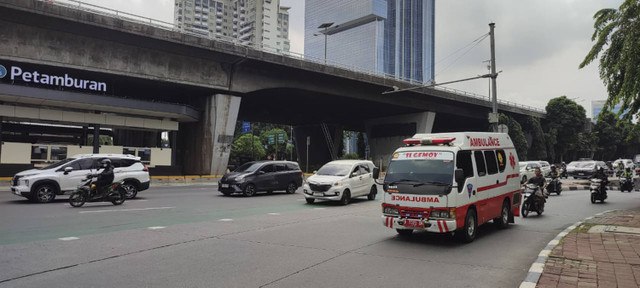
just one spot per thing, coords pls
(563, 173)
(598, 191)
(554, 186)
(626, 183)
(534, 200)
(89, 192)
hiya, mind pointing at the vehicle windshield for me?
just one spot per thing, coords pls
(248, 167)
(523, 165)
(586, 165)
(58, 164)
(335, 169)
(422, 175)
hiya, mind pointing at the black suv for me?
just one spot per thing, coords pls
(269, 176)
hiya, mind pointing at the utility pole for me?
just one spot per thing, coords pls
(493, 117)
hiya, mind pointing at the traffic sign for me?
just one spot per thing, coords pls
(280, 138)
(246, 127)
(271, 139)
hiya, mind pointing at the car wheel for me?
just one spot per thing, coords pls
(372, 193)
(468, 232)
(346, 197)
(249, 190)
(291, 188)
(404, 232)
(44, 193)
(503, 221)
(131, 189)
(310, 200)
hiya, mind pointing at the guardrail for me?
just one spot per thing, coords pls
(79, 5)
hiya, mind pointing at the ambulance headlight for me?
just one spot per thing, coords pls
(390, 210)
(440, 214)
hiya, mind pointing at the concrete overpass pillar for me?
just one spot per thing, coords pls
(205, 146)
(386, 134)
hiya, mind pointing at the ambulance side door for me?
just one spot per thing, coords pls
(467, 192)
(497, 179)
(483, 184)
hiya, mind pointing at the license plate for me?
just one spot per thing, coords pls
(318, 194)
(413, 223)
(224, 185)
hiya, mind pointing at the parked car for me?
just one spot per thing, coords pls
(584, 169)
(42, 185)
(527, 170)
(628, 163)
(257, 176)
(342, 180)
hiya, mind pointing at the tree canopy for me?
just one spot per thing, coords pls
(565, 119)
(617, 42)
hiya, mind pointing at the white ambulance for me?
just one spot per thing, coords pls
(452, 182)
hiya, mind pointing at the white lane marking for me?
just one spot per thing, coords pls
(126, 210)
(156, 227)
(225, 220)
(68, 238)
(273, 214)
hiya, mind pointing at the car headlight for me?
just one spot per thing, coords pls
(240, 178)
(440, 214)
(338, 183)
(390, 211)
(26, 182)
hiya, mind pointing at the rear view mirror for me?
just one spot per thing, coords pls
(68, 169)
(261, 172)
(376, 172)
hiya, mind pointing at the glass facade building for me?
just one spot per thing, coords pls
(395, 37)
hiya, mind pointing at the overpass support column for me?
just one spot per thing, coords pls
(319, 151)
(386, 134)
(206, 145)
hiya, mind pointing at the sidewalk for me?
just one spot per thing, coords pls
(603, 251)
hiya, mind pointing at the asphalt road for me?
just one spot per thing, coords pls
(194, 237)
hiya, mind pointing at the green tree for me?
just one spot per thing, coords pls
(517, 135)
(616, 36)
(608, 135)
(538, 149)
(242, 149)
(587, 145)
(567, 119)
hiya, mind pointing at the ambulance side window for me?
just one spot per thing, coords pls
(463, 161)
(492, 165)
(502, 160)
(482, 169)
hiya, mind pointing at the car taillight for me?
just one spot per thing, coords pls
(145, 168)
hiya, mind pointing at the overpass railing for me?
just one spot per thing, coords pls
(79, 5)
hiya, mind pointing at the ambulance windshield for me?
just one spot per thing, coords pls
(421, 172)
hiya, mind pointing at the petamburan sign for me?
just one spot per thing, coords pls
(16, 73)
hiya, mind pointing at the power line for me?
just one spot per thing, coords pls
(465, 46)
(465, 53)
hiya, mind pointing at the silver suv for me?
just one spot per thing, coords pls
(42, 185)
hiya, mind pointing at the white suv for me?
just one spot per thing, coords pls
(342, 180)
(42, 185)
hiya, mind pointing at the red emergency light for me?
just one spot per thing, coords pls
(428, 141)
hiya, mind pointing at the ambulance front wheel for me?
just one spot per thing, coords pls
(404, 232)
(469, 231)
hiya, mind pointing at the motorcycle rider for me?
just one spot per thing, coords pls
(563, 166)
(105, 178)
(539, 180)
(599, 174)
(627, 173)
(553, 174)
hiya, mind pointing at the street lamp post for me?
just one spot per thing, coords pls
(325, 26)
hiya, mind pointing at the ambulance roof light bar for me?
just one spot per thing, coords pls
(428, 141)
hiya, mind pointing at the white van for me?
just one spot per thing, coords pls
(452, 182)
(342, 180)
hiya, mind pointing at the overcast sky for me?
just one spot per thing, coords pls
(539, 44)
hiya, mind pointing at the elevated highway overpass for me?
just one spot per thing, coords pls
(158, 78)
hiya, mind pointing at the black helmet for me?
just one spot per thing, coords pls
(105, 162)
(553, 166)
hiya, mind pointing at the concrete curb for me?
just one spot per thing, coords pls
(535, 271)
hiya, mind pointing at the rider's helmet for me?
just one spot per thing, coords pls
(553, 167)
(106, 163)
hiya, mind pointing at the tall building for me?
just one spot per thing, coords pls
(395, 37)
(251, 22)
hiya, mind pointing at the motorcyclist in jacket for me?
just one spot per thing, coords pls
(105, 178)
(539, 180)
(554, 172)
(599, 174)
(627, 173)
(563, 166)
